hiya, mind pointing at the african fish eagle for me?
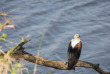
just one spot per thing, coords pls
(74, 50)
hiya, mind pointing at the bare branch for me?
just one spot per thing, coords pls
(57, 64)
(49, 63)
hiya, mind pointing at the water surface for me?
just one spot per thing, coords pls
(62, 19)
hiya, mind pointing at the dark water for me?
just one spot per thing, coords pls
(62, 19)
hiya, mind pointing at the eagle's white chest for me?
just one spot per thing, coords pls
(74, 42)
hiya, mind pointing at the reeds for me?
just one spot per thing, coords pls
(7, 64)
(35, 67)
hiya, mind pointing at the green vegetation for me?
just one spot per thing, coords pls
(8, 64)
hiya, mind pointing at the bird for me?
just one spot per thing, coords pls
(74, 51)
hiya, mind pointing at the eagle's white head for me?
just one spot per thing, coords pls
(75, 41)
(76, 36)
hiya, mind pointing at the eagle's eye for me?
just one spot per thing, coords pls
(77, 35)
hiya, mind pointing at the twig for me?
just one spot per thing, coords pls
(6, 25)
(8, 41)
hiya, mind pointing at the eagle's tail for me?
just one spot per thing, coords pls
(71, 65)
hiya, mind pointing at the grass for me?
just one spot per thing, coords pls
(35, 67)
(9, 65)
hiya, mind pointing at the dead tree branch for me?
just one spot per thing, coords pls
(49, 63)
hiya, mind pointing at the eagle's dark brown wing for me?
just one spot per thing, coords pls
(74, 54)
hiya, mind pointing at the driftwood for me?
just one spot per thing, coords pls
(49, 63)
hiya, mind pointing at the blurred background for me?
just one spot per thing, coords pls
(61, 19)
